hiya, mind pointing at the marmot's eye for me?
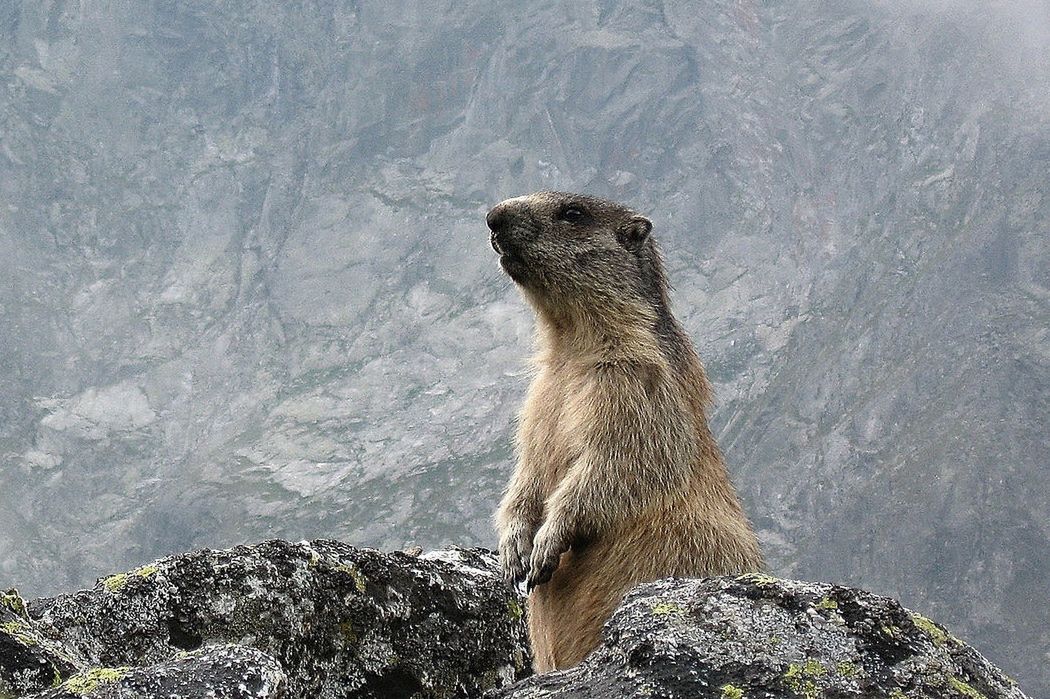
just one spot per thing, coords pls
(571, 214)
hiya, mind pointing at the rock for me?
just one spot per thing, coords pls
(339, 621)
(231, 672)
(758, 636)
(29, 661)
(324, 619)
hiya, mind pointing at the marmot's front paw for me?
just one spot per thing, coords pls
(548, 546)
(515, 547)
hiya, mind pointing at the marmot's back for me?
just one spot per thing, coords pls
(619, 480)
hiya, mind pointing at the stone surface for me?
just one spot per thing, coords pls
(324, 620)
(214, 672)
(339, 621)
(29, 660)
(761, 637)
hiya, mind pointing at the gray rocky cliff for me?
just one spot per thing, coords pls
(246, 291)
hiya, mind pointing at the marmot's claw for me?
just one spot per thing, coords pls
(512, 572)
(514, 551)
(513, 576)
(541, 576)
(514, 559)
(546, 554)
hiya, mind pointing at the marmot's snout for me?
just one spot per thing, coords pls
(500, 221)
(498, 217)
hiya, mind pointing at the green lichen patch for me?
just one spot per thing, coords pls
(827, 604)
(114, 582)
(964, 689)
(829, 609)
(731, 692)
(348, 633)
(514, 609)
(355, 573)
(801, 678)
(520, 659)
(20, 631)
(13, 601)
(891, 631)
(813, 668)
(760, 579)
(931, 629)
(490, 679)
(665, 608)
(846, 669)
(87, 682)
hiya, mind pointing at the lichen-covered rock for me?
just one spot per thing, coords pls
(759, 637)
(226, 672)
(340, 621)
(29, 661)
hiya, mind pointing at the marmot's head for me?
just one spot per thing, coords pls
(575, 252)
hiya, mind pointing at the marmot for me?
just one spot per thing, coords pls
(619, 480)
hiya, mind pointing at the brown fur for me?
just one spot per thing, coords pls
(619, 480)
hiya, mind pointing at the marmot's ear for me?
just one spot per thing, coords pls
(635, 231)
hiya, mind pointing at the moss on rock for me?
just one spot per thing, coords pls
(731, 692)
(964, 688)
(88, 681)
(930, 629)
(13, 602)
(360, 582)
(664, 608)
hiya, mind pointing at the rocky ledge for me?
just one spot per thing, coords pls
(323, 619)
(277, 619)
(759, 637)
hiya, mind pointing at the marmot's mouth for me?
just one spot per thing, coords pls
(509, 258)
(513, 267)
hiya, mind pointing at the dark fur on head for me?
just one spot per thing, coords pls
(576, 253)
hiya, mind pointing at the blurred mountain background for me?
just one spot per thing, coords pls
(246, 289)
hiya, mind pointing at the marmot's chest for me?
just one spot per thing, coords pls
(550, 433)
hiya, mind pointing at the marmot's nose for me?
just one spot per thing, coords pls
(498, 218)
